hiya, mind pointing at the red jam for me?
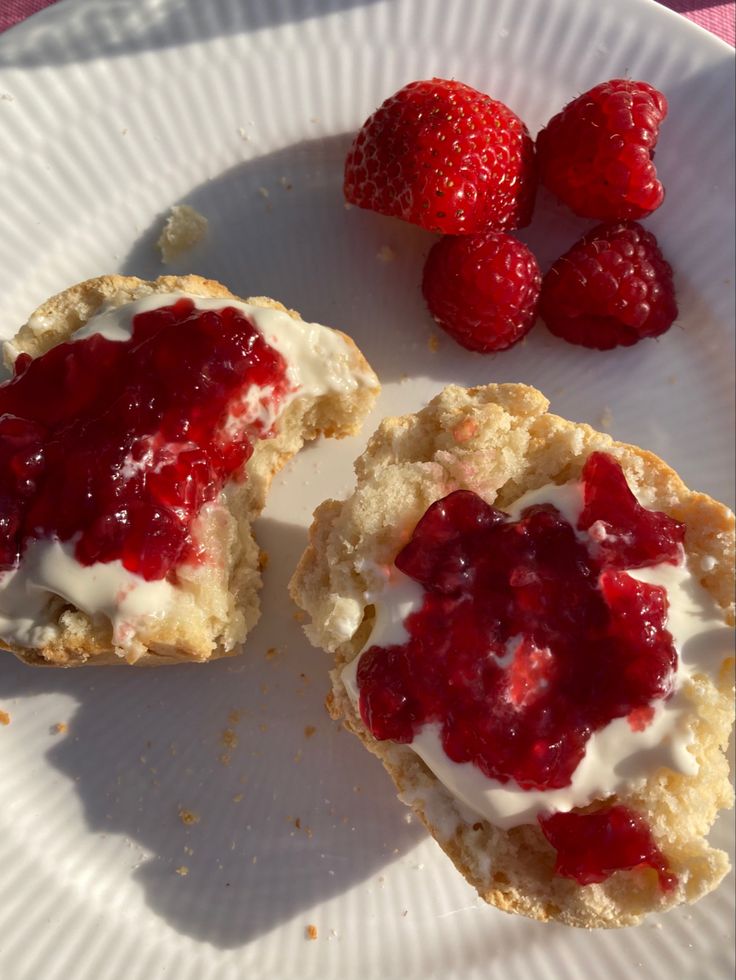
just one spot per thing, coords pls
(591, 846)
(121, 443)
(528, 639)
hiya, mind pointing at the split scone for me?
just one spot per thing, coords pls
(138, 437)
(531, 630)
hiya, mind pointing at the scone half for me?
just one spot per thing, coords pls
(500, 442)
(59, 609)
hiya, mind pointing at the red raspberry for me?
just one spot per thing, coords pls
(482, 289)
(596, 155)
(444, 156)
(613, 287)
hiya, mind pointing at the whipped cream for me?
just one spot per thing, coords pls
(319, 360)
(616, 757)
(49, 571)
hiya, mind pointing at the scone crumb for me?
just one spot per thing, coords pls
(60, 727)
(184, 228)
(263, 560)
(235, 717)
(225, 759)
(271, 653)
(182, 871)
(188, 817)
(299, 616)
(433, 343)
(237, 798)
(4, 718)
(311, 932)
(229, 738)
(309, 731)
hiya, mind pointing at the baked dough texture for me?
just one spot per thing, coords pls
(500, 441)
(216, 602)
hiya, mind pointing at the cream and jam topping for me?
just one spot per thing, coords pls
(113, 442)
(534, 669)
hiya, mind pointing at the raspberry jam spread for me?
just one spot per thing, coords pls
(531, 639)
(591, 846)
(527, 640)
(119, 444)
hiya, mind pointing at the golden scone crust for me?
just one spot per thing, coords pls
(500, 441)
(217, 603)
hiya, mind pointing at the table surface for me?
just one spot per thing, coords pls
(715, 17)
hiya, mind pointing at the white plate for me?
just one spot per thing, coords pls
(110, 112)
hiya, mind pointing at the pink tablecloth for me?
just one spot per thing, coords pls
(715, 17)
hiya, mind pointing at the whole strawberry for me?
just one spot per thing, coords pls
(596, 155)
(482, 289)
(444, 156)
(614, 287)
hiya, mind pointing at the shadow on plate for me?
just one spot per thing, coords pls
(244, 803)
(74, 32)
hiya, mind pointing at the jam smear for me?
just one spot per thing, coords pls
(121, 443)
(591, 846)
(627, 535)
(528, 640)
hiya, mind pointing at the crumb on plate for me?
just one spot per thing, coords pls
(184, 227)
(229, 738)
